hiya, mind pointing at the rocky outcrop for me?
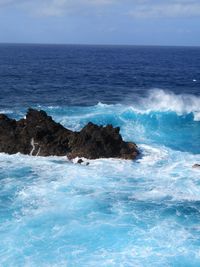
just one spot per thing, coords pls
(197, 166)
(38, 134)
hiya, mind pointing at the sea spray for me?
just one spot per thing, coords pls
(110, 213)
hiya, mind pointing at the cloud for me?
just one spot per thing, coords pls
(167, 9)
(137, 9)
(5, 3)
(55, 7)
(62, 7)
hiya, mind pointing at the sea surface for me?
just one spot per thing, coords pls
(112, 213)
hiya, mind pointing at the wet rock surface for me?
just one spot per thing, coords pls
(197, 166)
(39, 135)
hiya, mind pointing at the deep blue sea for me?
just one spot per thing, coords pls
(112, 213)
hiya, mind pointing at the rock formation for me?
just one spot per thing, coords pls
(196, 166)
(39, 135)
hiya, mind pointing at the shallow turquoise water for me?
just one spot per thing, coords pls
(112, 212)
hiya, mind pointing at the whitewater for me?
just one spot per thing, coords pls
(113, 212)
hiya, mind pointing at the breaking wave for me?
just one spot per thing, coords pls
(165, 101)
(112, 212)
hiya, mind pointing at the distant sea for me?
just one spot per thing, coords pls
(112, 213)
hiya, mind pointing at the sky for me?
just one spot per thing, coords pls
(131, 22)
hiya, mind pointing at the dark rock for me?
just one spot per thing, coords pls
(100, 142)
(196, 166)
(38, 134)
(80, 161)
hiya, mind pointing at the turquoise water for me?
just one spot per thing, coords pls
(54, 213)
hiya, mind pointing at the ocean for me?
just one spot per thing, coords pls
(113, 212)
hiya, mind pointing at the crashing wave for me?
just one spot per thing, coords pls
(164, 101)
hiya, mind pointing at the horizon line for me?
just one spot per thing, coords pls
(93, 44)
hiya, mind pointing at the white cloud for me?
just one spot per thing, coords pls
(4, 3)
(167, 9)
(61, 7)
(54, 7)
(138, 9)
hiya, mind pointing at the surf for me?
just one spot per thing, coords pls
(112, 212)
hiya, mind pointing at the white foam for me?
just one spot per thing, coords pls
(157, 100)
(65, 204)
(161, 100)
(151, 155)
(6, 111)
(60, 202)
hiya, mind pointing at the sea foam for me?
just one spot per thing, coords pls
(162, 100)
(112, 212)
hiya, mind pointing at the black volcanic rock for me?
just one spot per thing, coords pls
(197, 166)
(38, 134)
(100, 142)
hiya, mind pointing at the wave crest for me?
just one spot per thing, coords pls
(165, 101)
